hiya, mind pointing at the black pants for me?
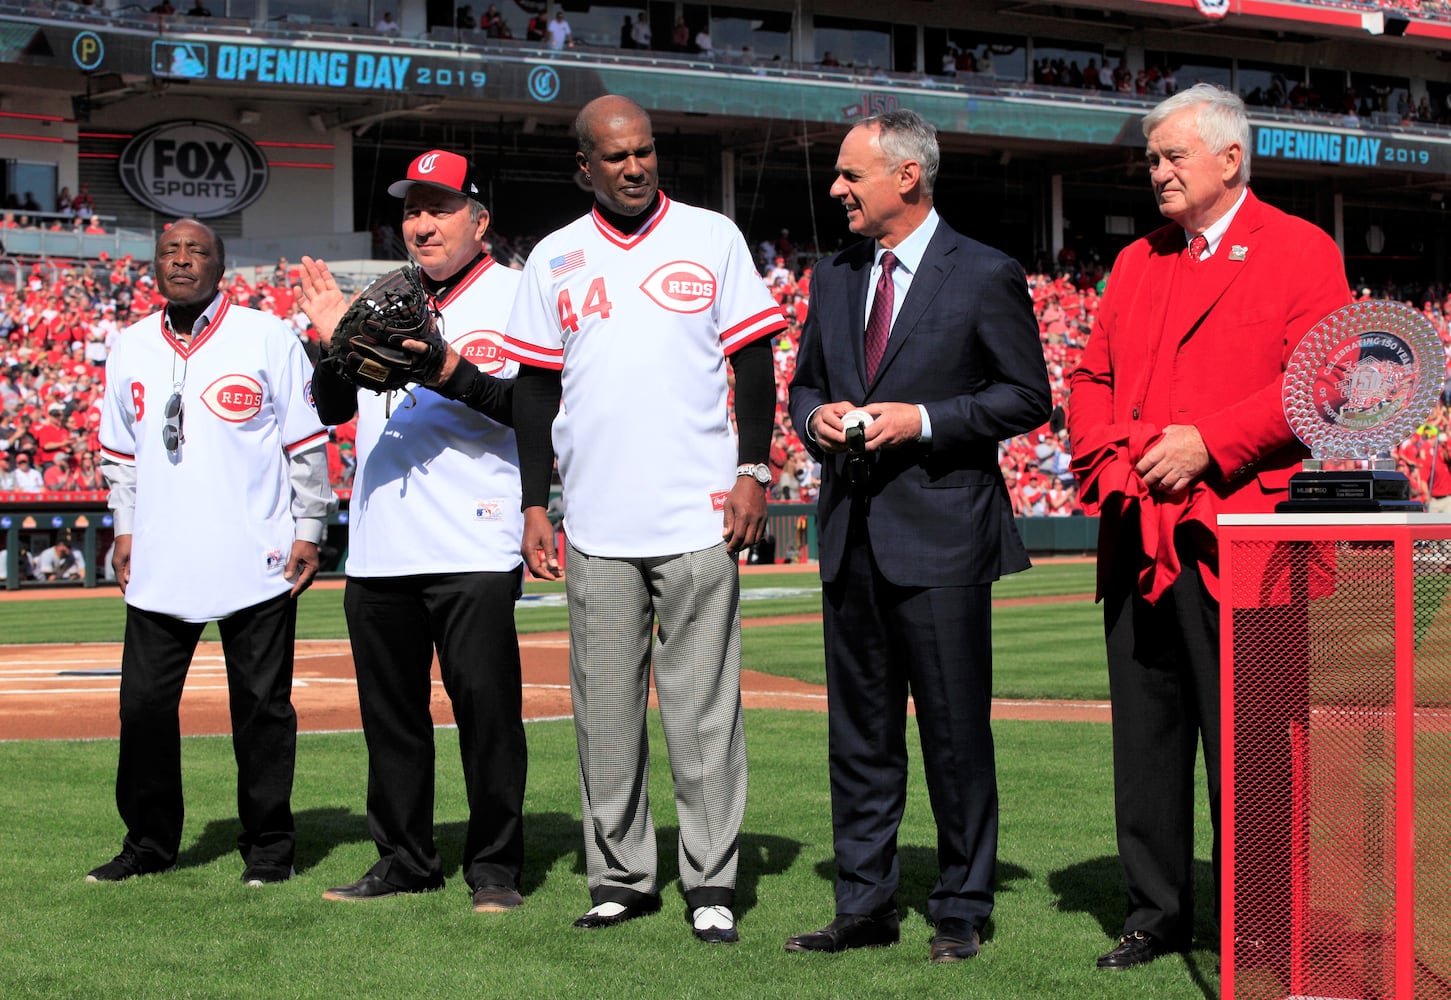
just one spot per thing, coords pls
(258, 647)
(395, 623)
(1163, 672)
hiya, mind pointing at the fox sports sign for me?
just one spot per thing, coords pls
(193, 168)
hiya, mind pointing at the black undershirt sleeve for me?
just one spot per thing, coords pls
(336, 398)
(537, 392)
(493, 397)
(755, 400)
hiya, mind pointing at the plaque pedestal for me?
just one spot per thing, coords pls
(1336, 730)
(1349, 491)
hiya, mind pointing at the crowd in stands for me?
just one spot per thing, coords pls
(1147, 81)
(1430, 10)
(58, 326)
(1355, 105)
(492, 23)
(75, 213)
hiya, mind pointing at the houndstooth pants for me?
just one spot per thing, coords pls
(613, 603)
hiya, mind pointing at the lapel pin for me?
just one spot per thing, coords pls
(1238, 252)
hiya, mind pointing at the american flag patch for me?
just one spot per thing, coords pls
(566, 263)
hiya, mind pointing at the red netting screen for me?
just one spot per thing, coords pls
(1333, 779)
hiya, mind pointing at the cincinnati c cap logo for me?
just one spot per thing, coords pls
(485, 348)
(426, 165)
(681, 286)
(234, 398)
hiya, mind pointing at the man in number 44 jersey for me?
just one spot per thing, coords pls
(631, 313)
(214, 454)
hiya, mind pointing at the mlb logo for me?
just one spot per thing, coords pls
(274, 559)
(488, 510)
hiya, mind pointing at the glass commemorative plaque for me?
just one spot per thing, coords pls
(1359, 383)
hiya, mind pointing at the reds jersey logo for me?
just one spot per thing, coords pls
(234, 398)
(485, 348)
(681, 286)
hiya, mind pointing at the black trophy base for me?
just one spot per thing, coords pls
(1355, 491)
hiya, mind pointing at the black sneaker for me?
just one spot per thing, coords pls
(123, 866)
(256, 876)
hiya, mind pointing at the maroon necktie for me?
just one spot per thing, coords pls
(1197, 246)
(879, 320)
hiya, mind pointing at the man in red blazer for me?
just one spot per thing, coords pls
(1175, 417)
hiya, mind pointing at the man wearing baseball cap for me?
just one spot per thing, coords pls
(433, 559)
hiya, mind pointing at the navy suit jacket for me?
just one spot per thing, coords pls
(965, 344)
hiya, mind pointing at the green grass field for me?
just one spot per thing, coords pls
(198, 932)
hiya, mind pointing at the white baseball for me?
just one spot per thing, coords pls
(856, 418)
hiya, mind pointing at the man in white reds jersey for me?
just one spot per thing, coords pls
(214, 454)
(433, 554)
(631, 313)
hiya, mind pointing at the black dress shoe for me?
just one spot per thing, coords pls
(594, 921)
(1135, 948)
(496, 899)
(954, 940)
(849, 930)
(371, 886)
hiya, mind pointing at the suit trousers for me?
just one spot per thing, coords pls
(613, 603)
(257, 644)
(882, 641)
(1163, 672)
(395, 624)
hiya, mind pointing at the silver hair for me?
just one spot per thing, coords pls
(905, 135)
(1221, 122)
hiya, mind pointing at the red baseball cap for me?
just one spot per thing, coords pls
(440, 169)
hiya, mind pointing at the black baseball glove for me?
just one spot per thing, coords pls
(366, 347)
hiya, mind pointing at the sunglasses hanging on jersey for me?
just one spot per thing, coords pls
(171, 432)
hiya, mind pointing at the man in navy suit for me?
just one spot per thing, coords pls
(915, 524)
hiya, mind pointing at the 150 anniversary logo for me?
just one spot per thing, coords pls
(193, 168)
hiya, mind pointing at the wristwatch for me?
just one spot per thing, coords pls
(761, 473)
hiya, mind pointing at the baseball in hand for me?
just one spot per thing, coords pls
(856, 418)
